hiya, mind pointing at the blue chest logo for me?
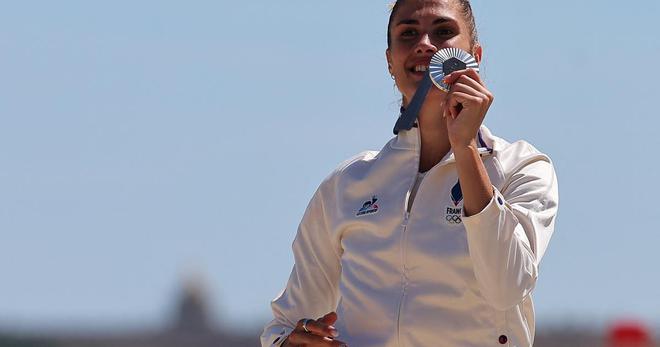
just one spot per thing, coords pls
(368, 207)
(457, 194)
(453, 216)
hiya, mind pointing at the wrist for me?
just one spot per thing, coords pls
(464, 147)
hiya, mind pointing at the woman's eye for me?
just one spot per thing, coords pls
(445, 32)
(409, 33)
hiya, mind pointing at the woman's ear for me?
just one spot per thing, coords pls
(389, 61)
(477, 52)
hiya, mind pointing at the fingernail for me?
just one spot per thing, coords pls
(333, 331)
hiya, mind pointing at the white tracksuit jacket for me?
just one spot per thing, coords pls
(431, 277)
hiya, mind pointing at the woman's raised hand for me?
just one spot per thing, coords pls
(466, 105)
(319, 333)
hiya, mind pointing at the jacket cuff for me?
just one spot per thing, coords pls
(487, 214)
(278, 339)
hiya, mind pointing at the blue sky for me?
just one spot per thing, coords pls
(142, 141)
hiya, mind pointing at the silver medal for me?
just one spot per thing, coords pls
(448, 60)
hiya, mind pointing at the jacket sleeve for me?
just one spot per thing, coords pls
(313, 286)
(508, 238)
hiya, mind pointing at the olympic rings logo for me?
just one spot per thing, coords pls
(453, 219)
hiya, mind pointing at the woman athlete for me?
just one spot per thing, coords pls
(436, 239)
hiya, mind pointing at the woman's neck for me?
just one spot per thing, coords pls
(433, 130)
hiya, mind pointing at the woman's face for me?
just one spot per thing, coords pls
(419, 29)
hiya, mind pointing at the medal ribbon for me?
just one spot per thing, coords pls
(409, 114)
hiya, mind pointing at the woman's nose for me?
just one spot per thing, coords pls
(425, 46)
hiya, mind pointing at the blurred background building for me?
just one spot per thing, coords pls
(191, 325)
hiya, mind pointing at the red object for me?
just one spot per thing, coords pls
(503, 339)
(629, 334)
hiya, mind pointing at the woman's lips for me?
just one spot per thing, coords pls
(418, 70)
(418, 75)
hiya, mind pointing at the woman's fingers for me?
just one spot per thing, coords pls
(320, 332)
(454, 76)
(456, 102)
(480, 99)
(460, 98)
(468, 77)
(329, 318)
(466, 105)
(301, 338)
(317, 328)
(467, 83)
(467, 89)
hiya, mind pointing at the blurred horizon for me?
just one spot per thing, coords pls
(191, 322)
(169, 313)
(194, 287)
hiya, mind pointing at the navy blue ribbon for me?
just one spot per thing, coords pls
(409, 115)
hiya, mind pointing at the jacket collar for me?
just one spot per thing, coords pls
(410, 140)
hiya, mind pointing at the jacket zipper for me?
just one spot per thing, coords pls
(404, 224)
(404, 270)
(406, 218)
(404, 276)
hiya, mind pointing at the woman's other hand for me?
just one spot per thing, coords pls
(466, 105)
(321, 333)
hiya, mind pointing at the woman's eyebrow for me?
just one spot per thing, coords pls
(415, 21)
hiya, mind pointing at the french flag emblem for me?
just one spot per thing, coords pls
(457, 194)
